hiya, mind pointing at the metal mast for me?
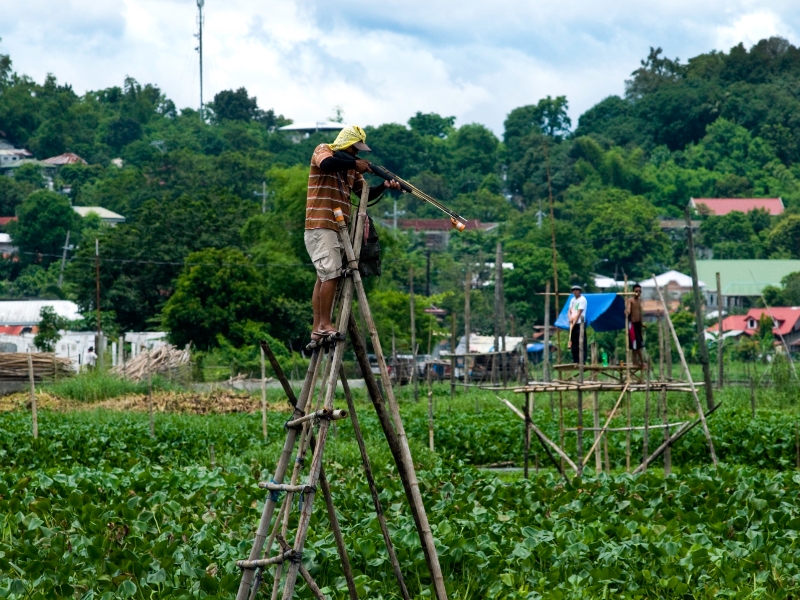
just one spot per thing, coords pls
(199, 48)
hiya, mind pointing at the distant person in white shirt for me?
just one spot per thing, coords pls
(91, 358)
(577, 315)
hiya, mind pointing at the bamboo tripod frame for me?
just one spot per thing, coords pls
(325, 366)
(625, 389)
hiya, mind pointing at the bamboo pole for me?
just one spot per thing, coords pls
(150, 397)
(661, 371)
(453, 343)
(280, 472)
(527, 432)
(581, 351)
(34, 412)
(605, 427)
(706, 432)
(542, 437)
(430, 411)
(263, 395)
(553, 240)
(596, 412)
(665, 421)
(426, 535)
(699, 317)
(720, 339)
(670, 440)
(373, 488)
(628, 379)
(646, 441)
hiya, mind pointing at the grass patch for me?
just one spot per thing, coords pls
(96, 385)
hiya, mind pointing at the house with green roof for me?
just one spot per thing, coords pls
(742, 281)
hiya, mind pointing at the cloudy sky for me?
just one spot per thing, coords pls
(381, 61)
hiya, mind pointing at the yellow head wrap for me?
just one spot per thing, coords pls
(347, 137)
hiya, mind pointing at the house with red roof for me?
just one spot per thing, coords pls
(785, 320)
(722, 206)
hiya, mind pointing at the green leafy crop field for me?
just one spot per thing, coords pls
(95, 508)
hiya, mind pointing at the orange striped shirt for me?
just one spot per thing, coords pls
(327, 191)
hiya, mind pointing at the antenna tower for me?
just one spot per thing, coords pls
(199, 48)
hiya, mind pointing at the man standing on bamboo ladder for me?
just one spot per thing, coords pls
(635, 337)
(577, 315)
(331, 180)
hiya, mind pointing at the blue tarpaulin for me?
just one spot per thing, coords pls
(604, 312)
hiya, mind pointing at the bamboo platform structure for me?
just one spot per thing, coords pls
(625, 380)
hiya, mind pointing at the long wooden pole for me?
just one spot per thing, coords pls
(598, 465)
(581, 352)
(150, 397)
(263, 395)
(424, 529)
(373, 488)
(553, 240)
(699, 316)
(453, 343)
(720, 339)
(34, 412)
(467, 291)
(700, 413)
(646, 440)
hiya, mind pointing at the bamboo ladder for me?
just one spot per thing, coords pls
(325, 366)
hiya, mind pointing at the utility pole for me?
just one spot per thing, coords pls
(99, 336)
(413, 332)
(263, 196)
(199, 48)
(428, 273)
(63, 261)
(698, 315)
(97, 281)
(394, 214)
(467, 288)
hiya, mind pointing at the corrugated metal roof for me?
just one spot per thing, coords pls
(68, 158)
(684, 281)
(723, 206)
(746, 277)
(103, 213)
(26, 312)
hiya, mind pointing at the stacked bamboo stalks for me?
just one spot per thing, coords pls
(164, 359)
(14, 366)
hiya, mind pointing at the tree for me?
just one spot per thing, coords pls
(29, 173)
(217, 294)
(432, 124)
(121, 132)
(50, 326)
(43, 220)
(656, 70)
(549, 116)
(786, 236)
(234, 106)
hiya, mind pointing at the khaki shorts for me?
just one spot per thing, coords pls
(325, 250)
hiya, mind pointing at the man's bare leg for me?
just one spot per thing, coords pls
(315, 303)
(326, 295)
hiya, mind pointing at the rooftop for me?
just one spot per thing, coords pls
(106, 215)
(26, 312)
(746, 277)
(684, 281)
(723, 206)
(785, 317)
(68, 158)
(312, 126)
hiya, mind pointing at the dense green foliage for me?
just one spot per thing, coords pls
(721, 124)
(97, 509)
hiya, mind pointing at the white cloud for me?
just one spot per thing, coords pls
(381, 61)
(752, 27)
